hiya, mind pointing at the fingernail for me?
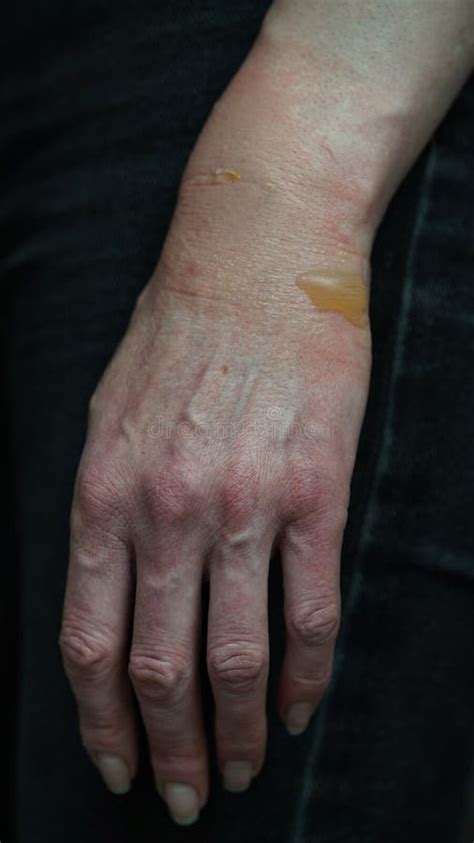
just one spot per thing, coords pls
(183, 803)
(115, 773)
(237, 775)
(298, 717)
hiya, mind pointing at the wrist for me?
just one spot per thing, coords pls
(263, 168)
(323, 113)
(286, 127)
(261, 134)
(263, 200)
(370, 80)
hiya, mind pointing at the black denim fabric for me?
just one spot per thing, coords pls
(100, 106)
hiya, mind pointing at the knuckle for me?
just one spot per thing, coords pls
(322, 680)
(314, 624)
(159, 680)
(85, 655)
(105, 728)
(96, 494)
(319, 488)
(237, 666)
(316, 682)
(173, 494)
(239, 494)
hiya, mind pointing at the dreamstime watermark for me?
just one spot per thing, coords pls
(273, 423)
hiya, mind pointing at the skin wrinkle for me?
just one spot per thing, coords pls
(338, 292)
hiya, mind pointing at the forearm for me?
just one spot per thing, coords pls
(334, 103)
(381, 74)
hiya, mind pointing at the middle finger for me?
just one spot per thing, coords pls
(164, 670)
(238, 655)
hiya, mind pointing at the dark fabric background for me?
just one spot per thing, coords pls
(100, 105)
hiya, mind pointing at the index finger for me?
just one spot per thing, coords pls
(94, 644)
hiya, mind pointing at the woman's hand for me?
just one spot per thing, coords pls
(226, 425)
